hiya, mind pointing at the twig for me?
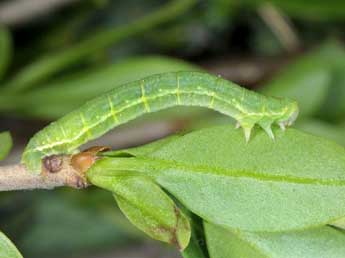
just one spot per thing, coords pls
(19, 12)
(56, 171)
(281, 26)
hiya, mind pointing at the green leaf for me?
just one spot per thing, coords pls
(306, 80)
(340, 223)
(194, 249)
(221, 243)
(324, 129)
(7, 248)
(148, 207)
(315, 243)
(5, 50)
(296, 181)
(142, 150)
(5, 144)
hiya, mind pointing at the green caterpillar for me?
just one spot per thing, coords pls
(151, 94)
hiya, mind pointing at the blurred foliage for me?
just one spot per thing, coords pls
(317, 81)
(5, 50)
(306, 80)
(76, 89)
(51, 64)
(317, 10)
(70, 216)
(56, 63)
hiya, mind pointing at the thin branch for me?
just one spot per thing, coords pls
(281, 26)
(19, 12)
(56, 171)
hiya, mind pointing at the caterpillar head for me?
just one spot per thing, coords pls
(290, 115)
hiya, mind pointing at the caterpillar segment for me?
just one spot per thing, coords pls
(151, 94)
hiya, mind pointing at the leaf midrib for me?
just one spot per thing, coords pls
(162, 164)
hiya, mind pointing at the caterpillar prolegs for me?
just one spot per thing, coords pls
(151, 94)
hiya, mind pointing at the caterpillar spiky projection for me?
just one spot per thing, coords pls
(151, 94)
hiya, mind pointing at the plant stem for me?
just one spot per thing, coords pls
(280, 26)
(52, 64)
(17, 177)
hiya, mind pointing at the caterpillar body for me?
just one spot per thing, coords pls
(151, 94)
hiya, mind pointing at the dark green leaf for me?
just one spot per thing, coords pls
(5, 144)
(193, 250)
(294, 182)
(5, 50)
(314, 243)
(196, 244)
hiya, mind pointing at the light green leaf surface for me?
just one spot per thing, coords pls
(315, 243)
(7, 248)
(340, 223)
(5, 144)
(148, 207)
(294, 182)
